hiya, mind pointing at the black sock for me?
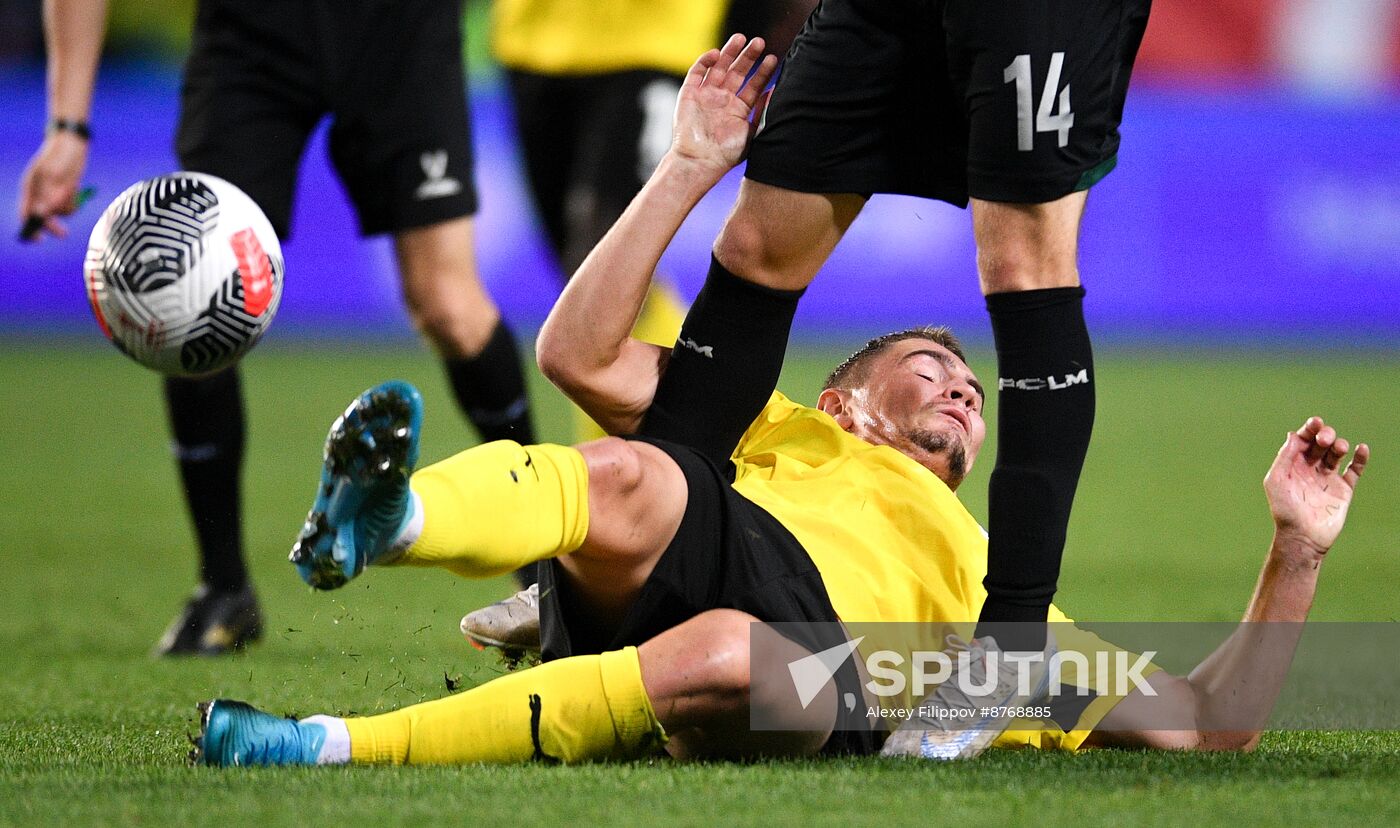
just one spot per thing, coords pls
(490, 389)
(206, 416)
(1045, 371)
(724, 366)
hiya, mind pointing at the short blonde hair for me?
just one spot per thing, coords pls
(852, 373)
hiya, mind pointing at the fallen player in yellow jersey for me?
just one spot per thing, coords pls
(663, 549)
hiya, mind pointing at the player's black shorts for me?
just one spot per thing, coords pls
(727, 554)
(1012, 100)
(262, 73)
(590, 142)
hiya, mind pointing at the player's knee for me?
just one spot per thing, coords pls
(726, 653)
(456, 330)
(616, 467)
(1027, 246)
(636, 499)
(743, 247)
(750, 248)
(1009, 268)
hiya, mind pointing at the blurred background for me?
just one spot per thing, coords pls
(1243, 266)
(1257, 196)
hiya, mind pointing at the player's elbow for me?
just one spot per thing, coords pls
(1178, 715)
(1228, 741)
(551, 362)
(1222, 726)
(560, 363)
(1187, 740)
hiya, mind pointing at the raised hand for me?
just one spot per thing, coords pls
(712, 125)
(1308, 492)
(49, 187)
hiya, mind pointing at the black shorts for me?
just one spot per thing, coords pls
(728, 553)
(590, 142)
(262, 73)
(949, 98)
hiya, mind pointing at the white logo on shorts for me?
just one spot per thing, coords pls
(437, 183)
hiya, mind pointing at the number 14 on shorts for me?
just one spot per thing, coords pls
(1019, 72)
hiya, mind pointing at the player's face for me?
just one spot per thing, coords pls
(922, 400)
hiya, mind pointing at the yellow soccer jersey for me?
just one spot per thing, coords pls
(573, 37)
(890, 539)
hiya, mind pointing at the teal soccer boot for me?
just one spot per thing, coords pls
(232, 733)
(363, 502)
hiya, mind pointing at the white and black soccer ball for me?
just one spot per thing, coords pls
(184, 273)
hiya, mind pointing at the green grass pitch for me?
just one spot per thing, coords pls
(1170, 523)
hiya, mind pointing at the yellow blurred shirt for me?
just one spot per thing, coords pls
(890, 539)
(585, 37)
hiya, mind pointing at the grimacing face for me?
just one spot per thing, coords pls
(919, 399)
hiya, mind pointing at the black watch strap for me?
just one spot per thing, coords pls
(78, 128)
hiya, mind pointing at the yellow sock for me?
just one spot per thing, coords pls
(572, 710)
(499, 506)
(659, 323)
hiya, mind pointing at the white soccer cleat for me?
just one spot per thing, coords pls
(510, 625)
(975, 704)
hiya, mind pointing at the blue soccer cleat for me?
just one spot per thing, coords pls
(232, 733)
(363, 502)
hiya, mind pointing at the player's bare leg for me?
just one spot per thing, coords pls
(1028, 246)
(771, 247)
(636, 499)
(697, 677)
(1027, 265)
(690, 684)
(612, 505)
(442, 288)
(451, 308)
(780, 238)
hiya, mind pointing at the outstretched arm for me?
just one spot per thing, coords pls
(1225, 702)
(73, 31)
(584, 346)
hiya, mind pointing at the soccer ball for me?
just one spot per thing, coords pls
(184, 273)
